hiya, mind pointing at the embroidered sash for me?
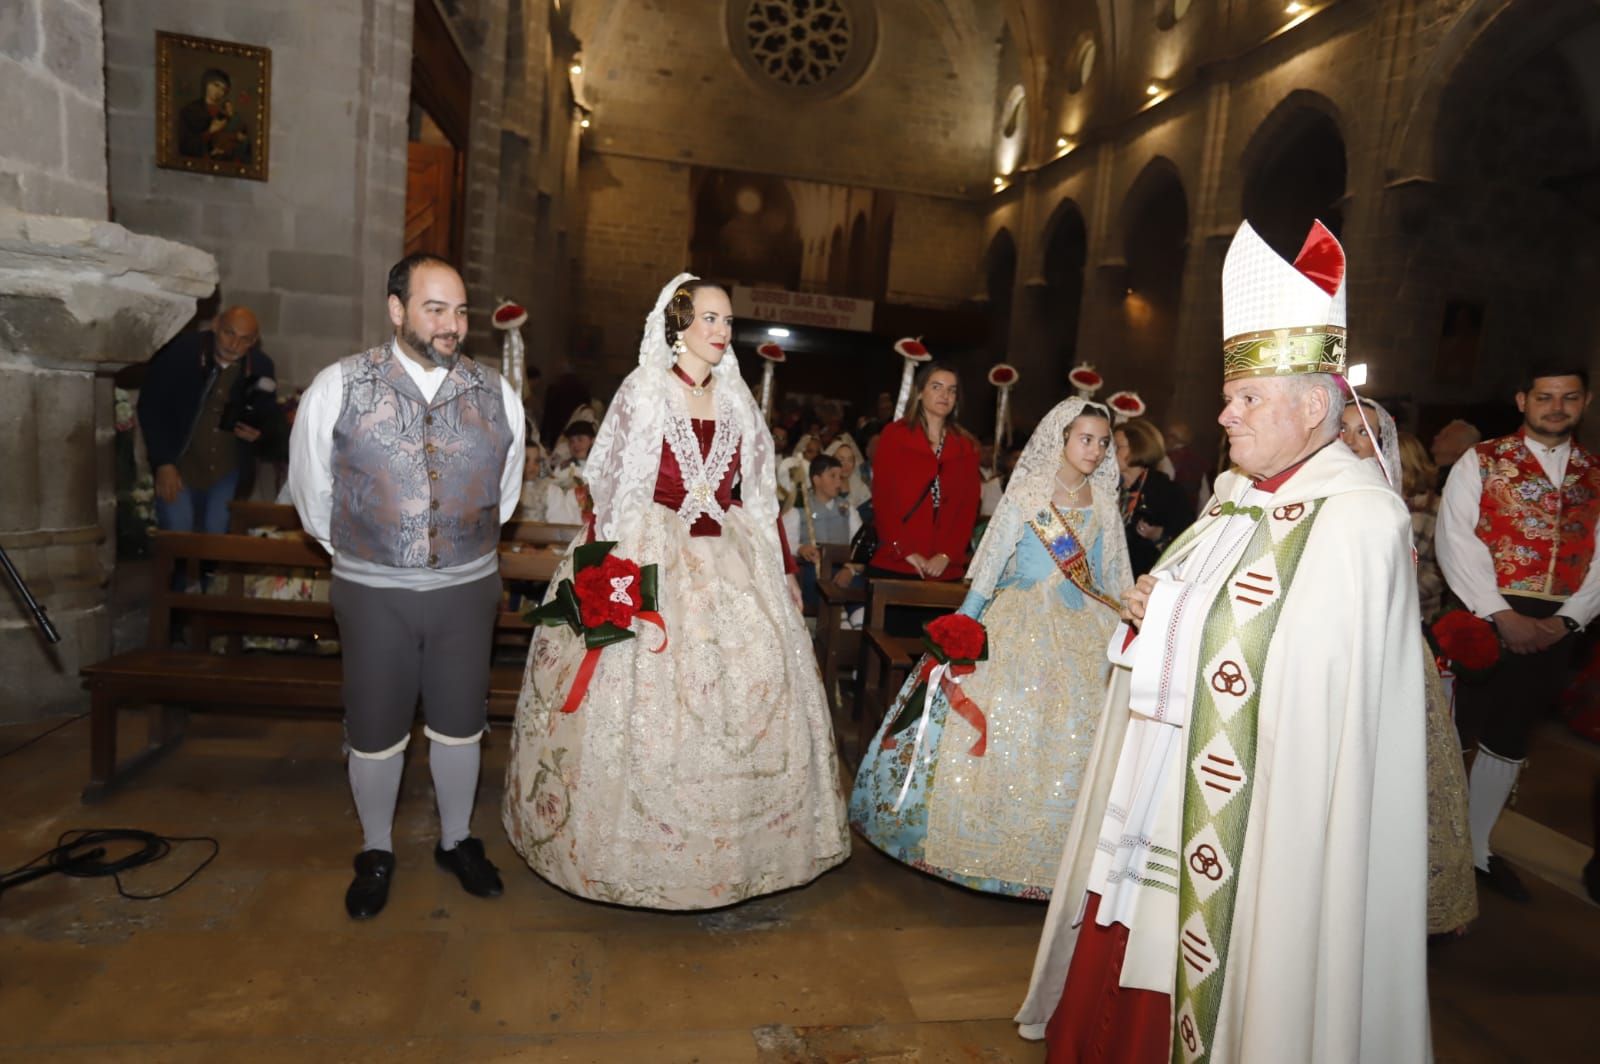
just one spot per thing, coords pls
(1221, 767)
(1062, 540)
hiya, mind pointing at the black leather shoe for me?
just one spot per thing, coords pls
(369, 891)
(478, 875)
(1503, 879)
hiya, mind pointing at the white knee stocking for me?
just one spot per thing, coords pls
(455, 786)
(375, 782)
(1488, 790)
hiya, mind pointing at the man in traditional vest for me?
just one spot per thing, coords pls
(1516, 549)
(404, 462)
(1245, 877)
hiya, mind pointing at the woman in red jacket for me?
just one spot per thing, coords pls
(925, 486)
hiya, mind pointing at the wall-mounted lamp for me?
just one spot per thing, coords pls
(1155, 88)
(1065, 144)
(1294, 7)
(778, 331)
(999, 182)
(583, 123)
(575, 69)
(1356, 375)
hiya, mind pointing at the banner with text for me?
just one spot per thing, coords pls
(802, 308)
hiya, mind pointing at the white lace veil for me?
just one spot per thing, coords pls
(626, 456)
(1029, 490)
(1388, 439)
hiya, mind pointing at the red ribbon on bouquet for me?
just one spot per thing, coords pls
(591, 661)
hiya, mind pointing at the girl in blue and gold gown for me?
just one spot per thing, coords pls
(1047, 583)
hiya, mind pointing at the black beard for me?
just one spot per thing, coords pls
(439, 358)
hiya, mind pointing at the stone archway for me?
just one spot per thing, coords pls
(1500, 266)
(1000, 280)
(1295, 172)
(1066, 249)
(1155, 237)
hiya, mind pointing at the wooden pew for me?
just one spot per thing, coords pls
(176, 677)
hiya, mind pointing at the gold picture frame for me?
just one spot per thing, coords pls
(213, 106)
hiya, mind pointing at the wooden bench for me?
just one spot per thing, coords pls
(175, 678)
(889, 658)
(245, 515)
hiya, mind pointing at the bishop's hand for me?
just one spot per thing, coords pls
(1138, 596)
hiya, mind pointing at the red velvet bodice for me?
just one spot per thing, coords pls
(670, 490)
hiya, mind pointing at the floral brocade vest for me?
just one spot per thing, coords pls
(1542, 539)
(417, 483)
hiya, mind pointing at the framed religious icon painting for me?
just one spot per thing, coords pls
(213, 106)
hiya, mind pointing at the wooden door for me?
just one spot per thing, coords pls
(430, 198)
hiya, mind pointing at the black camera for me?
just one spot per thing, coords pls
(251, 406)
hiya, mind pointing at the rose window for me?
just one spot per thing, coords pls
(799, 42)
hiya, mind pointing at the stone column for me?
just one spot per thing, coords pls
(79, 299)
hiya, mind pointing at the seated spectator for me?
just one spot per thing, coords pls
(1154, 509)
(824, 518)
(856, 488)
(566, 493)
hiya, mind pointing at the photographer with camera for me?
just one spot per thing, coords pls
(208, 410)
(1154, 509)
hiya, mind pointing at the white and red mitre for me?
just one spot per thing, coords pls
(1281, 318)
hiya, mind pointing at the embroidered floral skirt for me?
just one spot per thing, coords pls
(997, 823)
(1452, 885)
(693, 778)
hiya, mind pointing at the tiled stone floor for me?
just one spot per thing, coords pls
(255, 960)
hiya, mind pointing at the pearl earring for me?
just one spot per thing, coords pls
(679, 347)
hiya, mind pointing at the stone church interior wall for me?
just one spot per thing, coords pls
(52, 123)
(307, 249)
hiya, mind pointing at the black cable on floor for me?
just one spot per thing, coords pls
(81, 854)
(48, 731)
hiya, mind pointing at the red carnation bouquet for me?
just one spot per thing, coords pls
(600, 601)
(1470, 644)
(955, 644)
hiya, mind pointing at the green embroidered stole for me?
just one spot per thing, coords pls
(1220, 776)
(1063, 541)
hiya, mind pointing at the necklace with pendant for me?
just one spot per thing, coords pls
(694, 389)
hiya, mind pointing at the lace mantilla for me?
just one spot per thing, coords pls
(1028, 492)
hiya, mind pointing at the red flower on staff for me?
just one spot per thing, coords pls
(609, 592)
(1128, 403)
(958, 637)
(1002, 374)
(1469, 642)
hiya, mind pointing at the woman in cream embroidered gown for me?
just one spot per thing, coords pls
(704, 774)
(1046, 581)
(1452, 886)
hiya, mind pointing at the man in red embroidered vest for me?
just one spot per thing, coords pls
(1515, 539)
(404, 462)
